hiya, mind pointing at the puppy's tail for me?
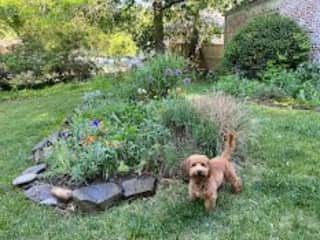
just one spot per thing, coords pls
(229, 145)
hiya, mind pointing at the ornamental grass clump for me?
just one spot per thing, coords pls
(228, 114)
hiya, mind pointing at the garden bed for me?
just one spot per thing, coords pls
(107, 146)
(143, 127)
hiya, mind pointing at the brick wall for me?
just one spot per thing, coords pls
(305, 12)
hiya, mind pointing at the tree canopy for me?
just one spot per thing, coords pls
(96, 20)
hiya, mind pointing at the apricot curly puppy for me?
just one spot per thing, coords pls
(206, 176)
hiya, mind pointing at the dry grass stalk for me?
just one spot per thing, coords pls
(227, 114)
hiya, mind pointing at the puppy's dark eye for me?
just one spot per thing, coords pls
(203, 165)
(193, 165)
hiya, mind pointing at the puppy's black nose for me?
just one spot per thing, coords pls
(199, 172)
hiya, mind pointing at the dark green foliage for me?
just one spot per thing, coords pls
(302, 84)
(243, 87)
(58, 39)
(267, 39)
(4, 78)
(45, 65)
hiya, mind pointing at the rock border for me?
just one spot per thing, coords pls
(91, 198)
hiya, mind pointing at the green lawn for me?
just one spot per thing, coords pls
(281, 198)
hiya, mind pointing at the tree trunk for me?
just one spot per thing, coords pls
(158, 35)
(194, 42)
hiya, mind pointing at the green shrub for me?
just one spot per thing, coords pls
(57, 38)
(266, 39)
(29, 56)
(309, 71)
(302, 84)
(4, 81)
(243, 87)
(160, 74)
(47, 64)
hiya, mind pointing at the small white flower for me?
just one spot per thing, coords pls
(142, 91)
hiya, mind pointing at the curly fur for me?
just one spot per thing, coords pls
(206, 176)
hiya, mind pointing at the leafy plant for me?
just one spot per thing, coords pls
(160, 74)
(243, 87)
(267, 39)
(125, 137)
(302, 84)
(49, 63)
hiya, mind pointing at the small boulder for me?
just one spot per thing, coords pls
(63, 194)
(42, 144)
(38, 155)
(43, 153)
(24, 179)
(97, 197)
(42, 194)
(53, 138)
(143, 185)
(36, 169)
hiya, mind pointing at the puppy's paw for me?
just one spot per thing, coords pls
(191, 197)
(237, 189)
(210, 204)
(236, 185)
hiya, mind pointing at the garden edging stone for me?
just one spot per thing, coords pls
(97, 197)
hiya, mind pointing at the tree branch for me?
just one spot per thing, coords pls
(170, 3)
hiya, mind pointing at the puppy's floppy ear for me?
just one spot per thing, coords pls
(185, 165)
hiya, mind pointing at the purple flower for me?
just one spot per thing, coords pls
(177, 72)
(168, 72)
(95, 123)
(65, 134)
(187, 81)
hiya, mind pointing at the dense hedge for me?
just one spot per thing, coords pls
(267, 40)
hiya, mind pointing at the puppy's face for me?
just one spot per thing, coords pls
(197, 166)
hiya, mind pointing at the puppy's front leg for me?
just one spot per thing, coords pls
(192, 195)
(210, 201)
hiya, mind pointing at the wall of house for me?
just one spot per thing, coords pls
(305, 12)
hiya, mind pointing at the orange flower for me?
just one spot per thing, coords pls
(88, 140)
